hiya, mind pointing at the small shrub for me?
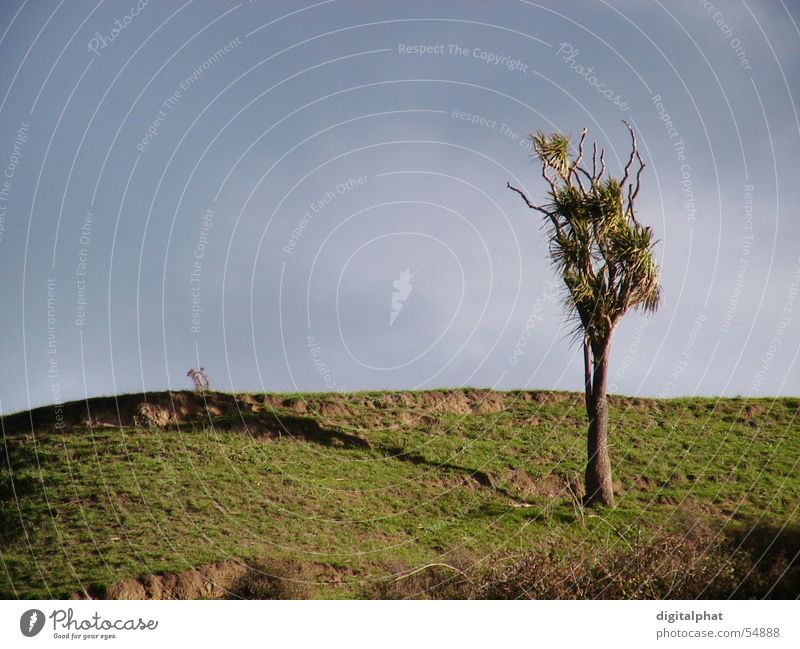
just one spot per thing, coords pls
(199, 379)
(668, 566)
(647, 564)
(273, 580)
(452, 578)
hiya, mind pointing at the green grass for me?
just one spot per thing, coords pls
(90, 506)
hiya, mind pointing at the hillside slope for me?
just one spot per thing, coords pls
(394, 494)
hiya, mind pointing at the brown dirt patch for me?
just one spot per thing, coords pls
(148, 409)
(270, 579)
(213, 581)
(297, 405)
(458, 402)
(165, 409)
(332, 409)
(752, 411)
(517, 482)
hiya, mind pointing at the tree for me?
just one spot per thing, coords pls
(605, 257)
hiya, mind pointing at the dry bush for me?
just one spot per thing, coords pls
(455, 577)
(199, 380)
(767, 560)
(669, 566)
(275, 579)
(694, 560)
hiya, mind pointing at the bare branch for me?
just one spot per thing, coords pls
(530, 204)
(629, 207)
(552, 183)
(602, 163)
(638, 175)
(536, 207)
(589, 177)
(577, 162)
(580, 149)
(633, 189)
(633, 154)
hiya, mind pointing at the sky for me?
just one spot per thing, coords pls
(312, 196)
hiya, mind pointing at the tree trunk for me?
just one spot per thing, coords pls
(587, 376)
(599, 490)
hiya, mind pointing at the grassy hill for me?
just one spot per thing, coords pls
(445, 493)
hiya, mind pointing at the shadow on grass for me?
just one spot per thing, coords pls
(308, 429)
(296, 427)
(402, 455)
(768, 561)
(481, 477)
(16, 456)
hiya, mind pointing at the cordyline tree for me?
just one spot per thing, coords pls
(605, 257)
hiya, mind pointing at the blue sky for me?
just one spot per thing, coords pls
(241, 186)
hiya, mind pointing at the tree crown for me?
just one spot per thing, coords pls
(603, 253)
